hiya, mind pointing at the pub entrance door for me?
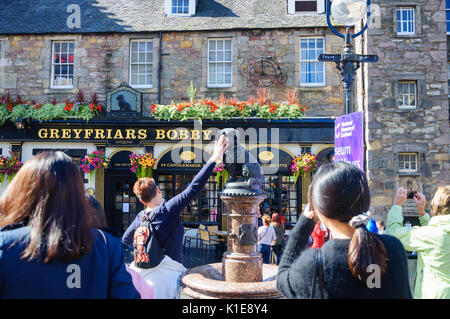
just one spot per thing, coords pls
(121, 204)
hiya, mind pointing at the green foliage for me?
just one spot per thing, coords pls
(221, 111)
(47, 112)
(191, 92)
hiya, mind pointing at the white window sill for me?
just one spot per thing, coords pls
(305, 13)
(61, 87)
(406, 34)
(219, 86)
(142, 86)
(309, 86)
(180, 15)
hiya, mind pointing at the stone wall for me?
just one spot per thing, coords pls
(424, 130)
(102, 63)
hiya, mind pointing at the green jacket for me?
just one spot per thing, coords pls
(431, 241)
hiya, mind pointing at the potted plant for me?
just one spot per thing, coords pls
(9, 166)
(304, 164)
(93, 162)
(142, 164)
(221, 174)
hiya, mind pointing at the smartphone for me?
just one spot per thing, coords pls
(411, 195)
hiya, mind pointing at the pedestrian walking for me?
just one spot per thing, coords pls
(164, 219)
(354, 263)
(48, 248)
(277, 245)
(431, 241)
(266, 235)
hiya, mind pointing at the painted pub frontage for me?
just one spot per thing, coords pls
(180, 149)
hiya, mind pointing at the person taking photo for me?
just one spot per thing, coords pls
(165, 219)
(431, 241)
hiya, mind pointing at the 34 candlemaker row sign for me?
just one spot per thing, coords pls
(348, 139)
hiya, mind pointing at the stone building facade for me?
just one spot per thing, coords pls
(407, 140)
(412, 68)
(102, 63)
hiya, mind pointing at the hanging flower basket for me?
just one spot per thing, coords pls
(142, 164)
(221, 172)
(304, 164)
(9, 166)
(95, 161)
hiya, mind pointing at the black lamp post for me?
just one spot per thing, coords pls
(348, 13)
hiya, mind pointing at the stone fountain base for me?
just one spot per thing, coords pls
(206, 282)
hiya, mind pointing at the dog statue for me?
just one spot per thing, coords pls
(240, 164)
(123, 105)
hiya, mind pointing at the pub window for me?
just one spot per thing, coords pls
(312, 72)
(303, 6)
(63, 64)
(202, 209)
(141, 63)
(406, 21)
(407, 94)
(219, 63)
(407, 162)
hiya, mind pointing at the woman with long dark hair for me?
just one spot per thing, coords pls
(354, 263)
(47, 246)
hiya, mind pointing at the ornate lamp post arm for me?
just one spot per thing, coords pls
(348, 62)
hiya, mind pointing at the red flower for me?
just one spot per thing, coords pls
(92, 106)
(99, 108)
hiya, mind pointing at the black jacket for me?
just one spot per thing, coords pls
(296, 270)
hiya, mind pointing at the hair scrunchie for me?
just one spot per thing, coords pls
(360, 220)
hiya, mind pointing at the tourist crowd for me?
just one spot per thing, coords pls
(55, 243)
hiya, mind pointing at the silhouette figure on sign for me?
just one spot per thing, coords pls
(123, 105)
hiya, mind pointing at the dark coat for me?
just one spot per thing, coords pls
(166, 219)
(101, 271)
(296, 270)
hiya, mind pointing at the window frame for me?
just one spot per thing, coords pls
(52, 65)
(320, 7)
(139, 86)
(208, 84)
(447, 12)
(322, 84)
(407, 107)
(403, 170)
(180, 14)
(401, 21)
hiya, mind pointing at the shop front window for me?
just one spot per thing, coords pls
(281, 197)
(203, 208)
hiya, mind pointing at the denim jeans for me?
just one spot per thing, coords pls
(277, 250)
(265, 252)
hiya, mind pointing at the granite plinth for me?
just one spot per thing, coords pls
(206, 282)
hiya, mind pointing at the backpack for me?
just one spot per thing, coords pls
(148, 252)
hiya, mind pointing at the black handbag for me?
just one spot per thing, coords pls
(318, 273)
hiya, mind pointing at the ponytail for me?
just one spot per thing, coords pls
(365, 249)
(340, 192)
